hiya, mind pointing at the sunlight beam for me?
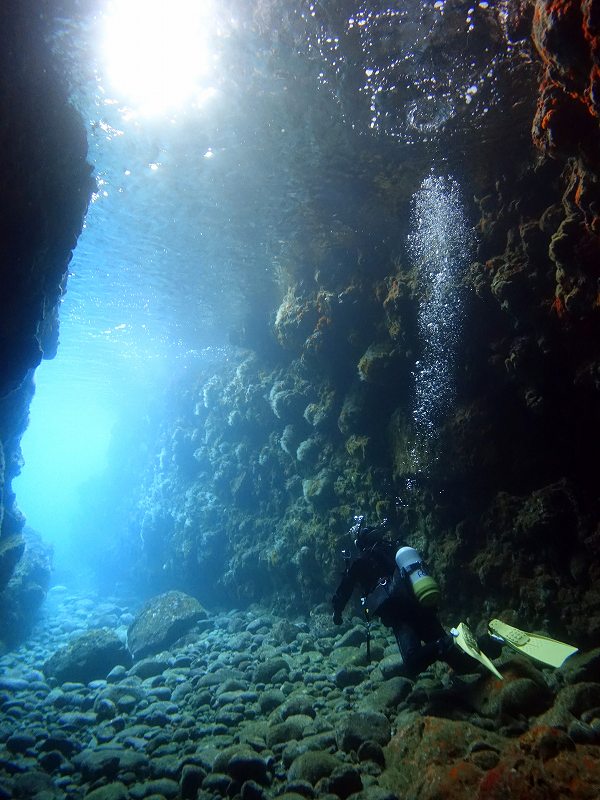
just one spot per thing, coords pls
(157, 54)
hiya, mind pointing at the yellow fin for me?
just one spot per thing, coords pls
(540, 648)
(468, 644)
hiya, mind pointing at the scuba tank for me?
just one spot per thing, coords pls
(424, 586)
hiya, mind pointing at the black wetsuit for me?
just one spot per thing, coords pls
(389, 594)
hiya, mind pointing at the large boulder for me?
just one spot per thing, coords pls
(163, 620)
(433, 757)
(89, 656)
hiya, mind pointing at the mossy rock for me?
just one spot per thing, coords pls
(312, 766)
(90, 656)
(163, 620)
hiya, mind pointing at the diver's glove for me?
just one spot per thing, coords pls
(337, 617)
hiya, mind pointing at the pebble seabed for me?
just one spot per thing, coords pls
(254, 706)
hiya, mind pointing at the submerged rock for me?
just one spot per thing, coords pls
(112, 791)
(312, 766)
(89, 656)
(363, 726)
(277, 724)
(162, 621)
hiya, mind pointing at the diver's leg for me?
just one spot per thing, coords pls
(428, 625)
(416, 656)
(439, 644)
(408, 643)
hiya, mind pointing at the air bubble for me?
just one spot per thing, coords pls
(440, 247)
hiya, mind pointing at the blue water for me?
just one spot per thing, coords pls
(207, 211)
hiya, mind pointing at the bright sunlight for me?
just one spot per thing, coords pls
(157, 53)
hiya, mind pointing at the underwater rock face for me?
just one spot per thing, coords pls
(45, 190)
(567, 127)
(161, 622)
(265, 510)
(378, 364)
(260, 463)
(539, 252)
(295, 320)
(11, 550)
(567, 119)
(268, 494)
(28, 584)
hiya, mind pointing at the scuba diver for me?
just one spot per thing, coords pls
(396, 587)
(387, 592)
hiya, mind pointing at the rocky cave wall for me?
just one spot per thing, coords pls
(264, 461)
(44, 192)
